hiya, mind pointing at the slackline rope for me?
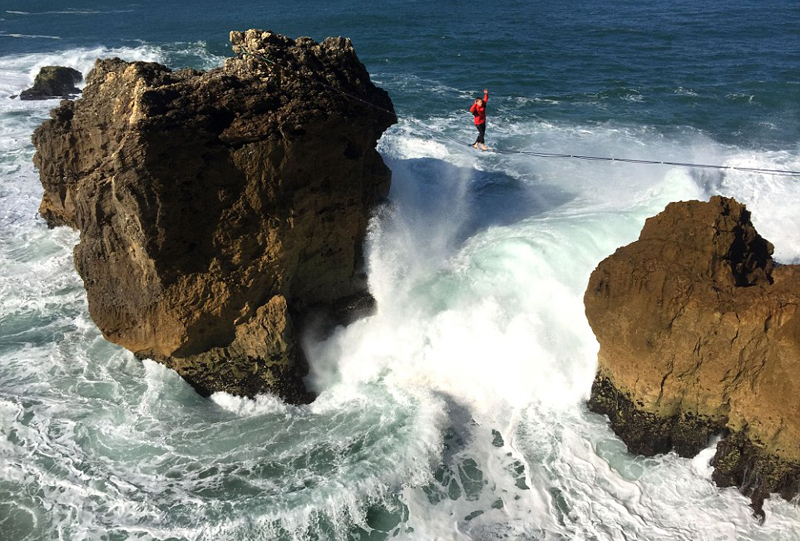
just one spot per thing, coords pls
(784, 172)
(540, 154)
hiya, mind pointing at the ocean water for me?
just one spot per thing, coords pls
(457, 411)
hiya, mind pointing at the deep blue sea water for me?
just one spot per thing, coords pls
(457, 411)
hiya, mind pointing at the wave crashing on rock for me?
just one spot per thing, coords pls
(217, 209)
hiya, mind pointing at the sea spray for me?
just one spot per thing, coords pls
(455, 412)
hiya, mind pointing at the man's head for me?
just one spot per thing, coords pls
(479, 101)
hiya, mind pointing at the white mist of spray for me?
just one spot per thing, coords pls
(479, 268)
(462, 396)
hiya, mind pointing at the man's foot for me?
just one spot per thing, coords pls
(475, 146)
(484, 147)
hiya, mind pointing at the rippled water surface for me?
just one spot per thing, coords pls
(457, 411)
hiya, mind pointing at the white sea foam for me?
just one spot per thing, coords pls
(248, 407)
(494, 322)
(685, 92)
(17, 72)
(30, 36)
(69, 12)
(770, 198)
(455, 412)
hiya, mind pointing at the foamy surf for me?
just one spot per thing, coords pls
(17, 72)
(455, 412)
(494, 323)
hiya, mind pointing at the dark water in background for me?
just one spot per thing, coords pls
(729, 68)
(456, 412)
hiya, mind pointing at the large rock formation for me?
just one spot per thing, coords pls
(53, 82)
(699, 334)
(217, 209)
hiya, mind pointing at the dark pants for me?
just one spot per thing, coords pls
(481, 133)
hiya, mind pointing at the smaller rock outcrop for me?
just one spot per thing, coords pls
(53, 82)
(699, 334)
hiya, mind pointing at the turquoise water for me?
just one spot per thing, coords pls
(457, 411)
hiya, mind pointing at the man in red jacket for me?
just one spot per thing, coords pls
(478, 110)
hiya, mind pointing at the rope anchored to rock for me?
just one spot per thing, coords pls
(586, 157)
(539, 154)
(783, 172)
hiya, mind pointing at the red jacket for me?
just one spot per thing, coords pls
(480, 112)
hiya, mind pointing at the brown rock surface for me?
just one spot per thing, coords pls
(216, 208)
(699, 334)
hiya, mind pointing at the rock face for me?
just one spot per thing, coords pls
(53, 82)
(216, 210)
(699, 334)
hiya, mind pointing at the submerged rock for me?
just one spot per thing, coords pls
(216, 209)
(699, 334)
(53, 82)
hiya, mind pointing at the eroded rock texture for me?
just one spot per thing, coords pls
(53, 82)
(699, 334)
(217, 209)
